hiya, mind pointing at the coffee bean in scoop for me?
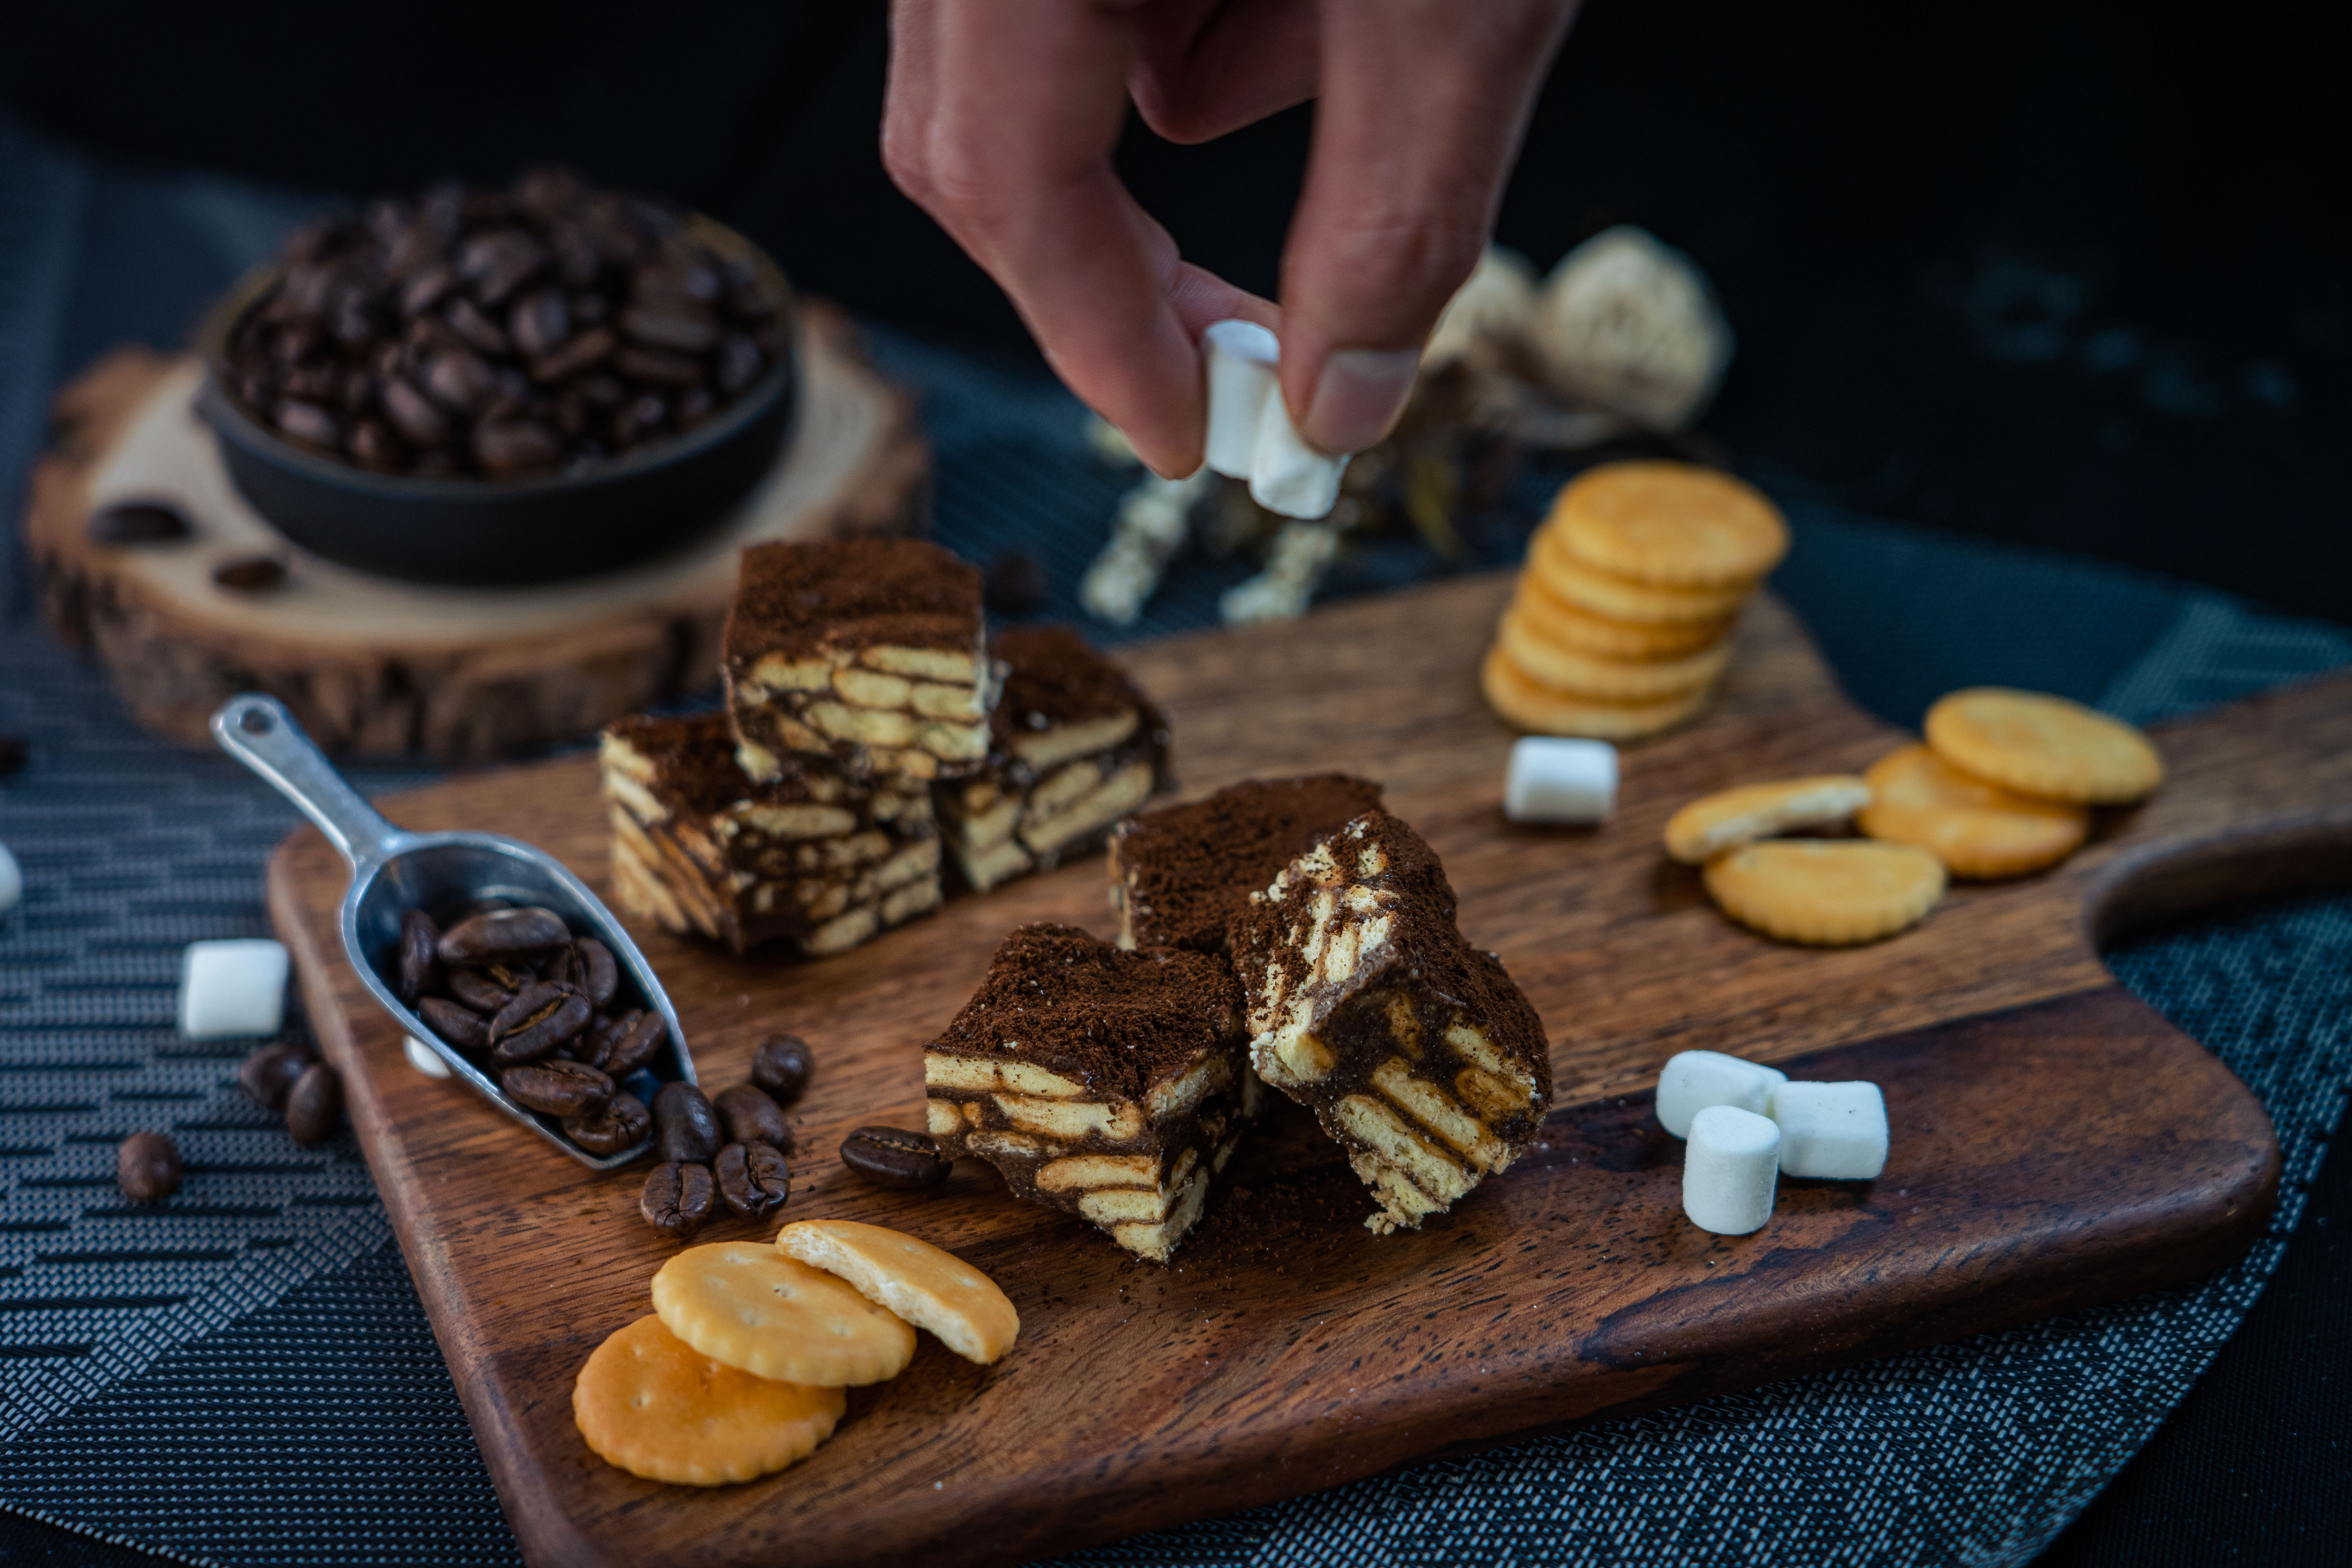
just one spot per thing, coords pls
(623, 1120)
(890, 1157)
(147, 1167)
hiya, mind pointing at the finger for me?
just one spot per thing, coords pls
(1001, 128)
(1203, 67)
(1424, 105)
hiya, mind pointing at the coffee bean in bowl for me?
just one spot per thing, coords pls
(498, 386)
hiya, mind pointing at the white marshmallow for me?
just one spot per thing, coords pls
(1555, 779)
(421, 1057)
(1836, 1131)
(11, 880)
(232, 988)
(1289, 476)
(1730, 1170)
(1243, 357)
(1693, 1080)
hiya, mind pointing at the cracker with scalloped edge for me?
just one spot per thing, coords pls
(927, 1287)
(1528, 703)
(1566, 625)
(1670, 524)
(1977, 829)
(1728, 818)
(2043, 745)
(1621, 598)
(1826, 892)
(1568, 669)
(651, 1404)
(747, 1305)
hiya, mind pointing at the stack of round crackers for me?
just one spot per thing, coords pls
(741, 1369)
(2003, 787)
(1622, 621)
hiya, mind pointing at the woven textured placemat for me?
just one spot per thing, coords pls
(246, 1376)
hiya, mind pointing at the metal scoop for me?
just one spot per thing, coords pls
(394, 871)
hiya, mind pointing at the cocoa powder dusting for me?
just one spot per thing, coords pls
(809, 600)
(694, 764)
(1188, 870)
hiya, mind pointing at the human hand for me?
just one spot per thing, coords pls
(1002, 116)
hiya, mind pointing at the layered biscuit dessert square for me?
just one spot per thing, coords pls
(810, 855)
(1179, 874)
(1415, 1051)
(1073, 747)
(1106, 1083)
(866, 654)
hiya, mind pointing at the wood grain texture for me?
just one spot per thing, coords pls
(2055, 1142)
(373, 666)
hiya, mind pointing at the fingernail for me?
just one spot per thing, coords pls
(1358, 396)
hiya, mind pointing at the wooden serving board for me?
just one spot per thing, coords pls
(2055, 1142)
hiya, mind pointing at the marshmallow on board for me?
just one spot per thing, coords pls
(229, 988)
(1693, 1080)
(1553, 779)
(1834, 1132)
(1250, 433)
(1731, 1170)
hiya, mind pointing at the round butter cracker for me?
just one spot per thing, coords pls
(1979, 831)
(747, 1305)
(1728, 818)
(655, 1406)
(1570, 669)
(2043, 745)
(1524, 701)
(927, 1287)
(1564, 624)
(1621, 598)
(1826, 892)
(1673, 525)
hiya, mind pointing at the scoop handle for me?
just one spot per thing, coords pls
(258, 732)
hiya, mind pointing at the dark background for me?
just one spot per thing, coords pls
(2071, 274)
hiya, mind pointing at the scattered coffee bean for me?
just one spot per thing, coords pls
(137, 523)
(269, 1075)
(781, 1067)
(315, 1106)
(889, 1157)
(752, 1178)
(479, 991)
(14, 752)
(541, 1016)
(147, 1167)
(460, 1026)
(419, 957)
(676, 1199)
(1015, 584)
(600, 971)
(685, 1129)
(496, 934)
(558, 1088)
(749, 1116)
(635, 1045)
(623, 1120)
(251, 574)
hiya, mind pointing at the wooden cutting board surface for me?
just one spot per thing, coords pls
(2055, 1142)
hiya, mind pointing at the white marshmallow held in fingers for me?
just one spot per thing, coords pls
(1561, 781)
(1731, 1168)
(1693, 1080)
(11, 880)
(1835, 1132)
(1243, 375)
(230, 988)
(422, 1058)
(1291, 476)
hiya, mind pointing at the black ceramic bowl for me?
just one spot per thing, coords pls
(504, 533)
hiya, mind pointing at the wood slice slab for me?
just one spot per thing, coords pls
(377, 666)
(2055, 1142)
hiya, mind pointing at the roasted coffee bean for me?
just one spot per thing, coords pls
(500, 261)
(684, 327)
(476, 328)
(307, 423)
(595, 1041)
(373, 446)
(576, 356)
(414, 414)
(623, 1120)
(267, 1076)
(1016, 585)
(781, 1067)
(694, 404)
(427, 289)
(460, 1026)
(684, 1125)
(14, 752)
(509, 446)
(565, 969)
(635, 1045)
(458, 377)
(752, 1179)
(147, 1167)
(315, 1106)
(251, 574)
(659, 367)
(477, 990)
(495, 934)
(749, 1116)
(137, 523)
(559, 1089)
(909, 1161)
(541, 1018)
(676, 1199)
(600, 973)
(420, 957)
(539, 322)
